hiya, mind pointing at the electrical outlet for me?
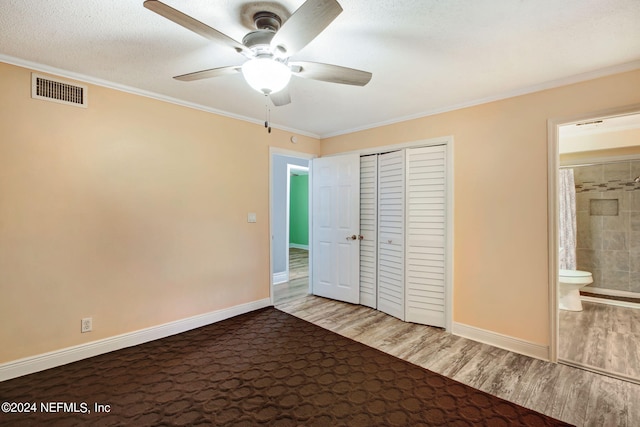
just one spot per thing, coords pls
(86, 325)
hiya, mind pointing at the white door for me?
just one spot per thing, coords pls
(426, 236)
(336, 227)
(369, 230)
(391, 179)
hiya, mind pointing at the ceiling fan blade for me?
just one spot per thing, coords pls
(192, 24)
(304, 25)
(207, 74)
(281, 97)
(330, 73)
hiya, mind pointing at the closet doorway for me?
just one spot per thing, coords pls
(402, 234)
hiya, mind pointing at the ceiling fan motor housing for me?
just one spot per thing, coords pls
(267, 21)
(259, 40)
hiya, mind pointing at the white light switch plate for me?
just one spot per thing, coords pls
(251, 217)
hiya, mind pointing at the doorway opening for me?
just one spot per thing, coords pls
(600, 152)
(297, 241)
(289, 225)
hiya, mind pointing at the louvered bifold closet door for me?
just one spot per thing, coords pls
(426, 231)
(391, 179)
(369, 230)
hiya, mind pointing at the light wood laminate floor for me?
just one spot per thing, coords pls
(602, 337)
(573, 395)
(298, 284)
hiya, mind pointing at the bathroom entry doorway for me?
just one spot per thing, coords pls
(602, 153)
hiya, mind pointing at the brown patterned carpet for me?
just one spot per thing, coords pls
(261, 368)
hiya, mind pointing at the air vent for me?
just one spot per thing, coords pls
(50, 89)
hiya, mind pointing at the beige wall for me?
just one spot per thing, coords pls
(586, 156)
(600, 145)
(133, 211)
(599, 141)
(500, 196)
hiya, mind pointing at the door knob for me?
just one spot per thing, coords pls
(361, 237)
(354, 237)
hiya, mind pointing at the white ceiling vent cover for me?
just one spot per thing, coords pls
(56, 90)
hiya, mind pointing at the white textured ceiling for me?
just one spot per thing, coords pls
(425, 55)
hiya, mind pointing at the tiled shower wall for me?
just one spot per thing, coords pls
(608, 222)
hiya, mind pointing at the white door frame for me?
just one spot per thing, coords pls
(289, 153)
(553, 165)
(448, 142)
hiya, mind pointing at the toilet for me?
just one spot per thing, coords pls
(570, 282)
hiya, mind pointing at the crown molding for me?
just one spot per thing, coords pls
(551, 84)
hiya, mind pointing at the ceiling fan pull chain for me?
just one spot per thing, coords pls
(267, 114)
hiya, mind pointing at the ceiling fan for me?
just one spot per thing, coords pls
(269, 47)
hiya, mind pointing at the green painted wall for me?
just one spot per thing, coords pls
(299, 210)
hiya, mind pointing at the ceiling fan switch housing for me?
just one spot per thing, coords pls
(260, 39)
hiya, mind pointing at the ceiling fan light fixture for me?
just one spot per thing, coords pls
(266, 75)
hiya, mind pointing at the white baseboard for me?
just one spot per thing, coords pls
(29, 365)
(281, 277)
(297, 246)
(502, 341)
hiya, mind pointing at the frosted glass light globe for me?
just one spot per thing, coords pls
(266, 75)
